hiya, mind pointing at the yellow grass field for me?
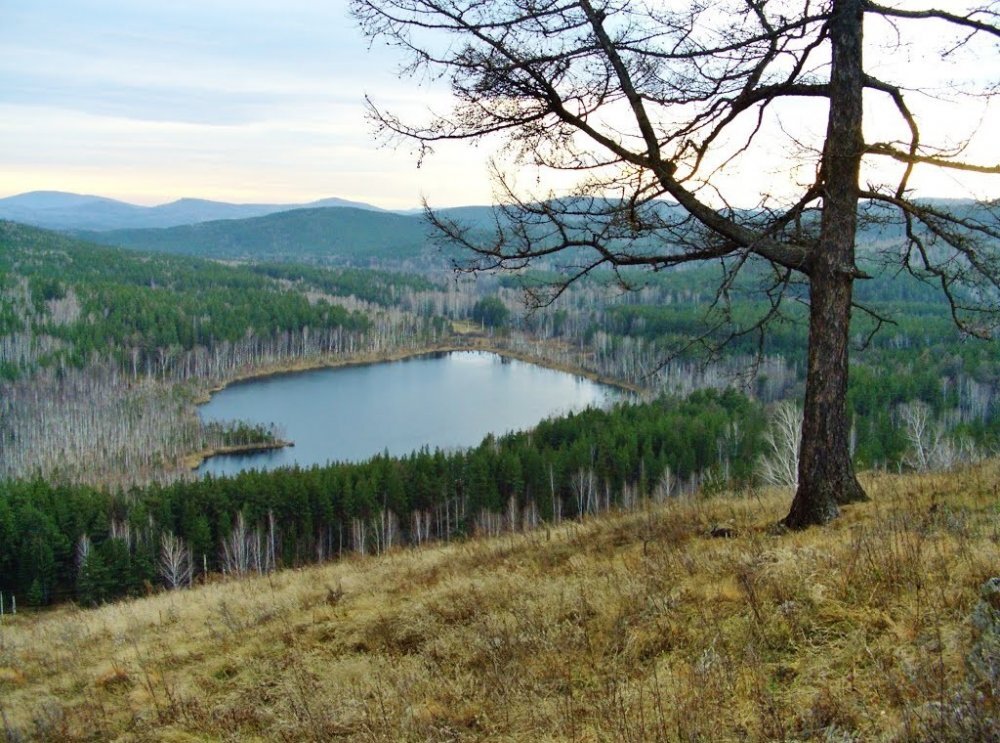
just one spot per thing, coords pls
(629, 627)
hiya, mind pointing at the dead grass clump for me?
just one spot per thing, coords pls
(114, 678)
(11, 677)
(394, 634)
(964, 716)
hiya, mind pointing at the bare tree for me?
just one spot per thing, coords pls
(665, 487)
(916, 418)
(238, 548)
(175, 561)
(930, 446)
(779, 465)
(582, 484)
(83, 548)
(650, 105)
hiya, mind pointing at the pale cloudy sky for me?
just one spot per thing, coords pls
(245, 100)
(239, 100)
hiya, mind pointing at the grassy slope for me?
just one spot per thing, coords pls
(628, 627)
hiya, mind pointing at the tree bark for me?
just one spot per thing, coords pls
(826, 472)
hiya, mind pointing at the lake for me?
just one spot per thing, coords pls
(352, 413)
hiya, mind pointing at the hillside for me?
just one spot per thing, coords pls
(345, 232)
(104, 351)
(95, 299)
(630, 627)
(338, 234)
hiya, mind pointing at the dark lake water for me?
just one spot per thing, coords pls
(440, 401)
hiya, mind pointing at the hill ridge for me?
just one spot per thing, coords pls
(71, 211)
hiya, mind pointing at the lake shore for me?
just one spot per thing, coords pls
(194, 461)
(463, 342)
(471, 343)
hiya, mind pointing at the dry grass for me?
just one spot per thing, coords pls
(631, 627)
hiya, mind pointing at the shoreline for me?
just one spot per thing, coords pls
(192, 461)
(366, 359)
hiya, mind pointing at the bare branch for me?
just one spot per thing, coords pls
(880, 321)
(967, 21)
(882, 148)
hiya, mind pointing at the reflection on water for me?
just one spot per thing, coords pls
(440, 401)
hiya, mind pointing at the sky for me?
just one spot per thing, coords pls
(236, 100)
(248, 101)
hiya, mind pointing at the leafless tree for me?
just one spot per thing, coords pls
(237, 548)
(930, 445)
(582, 484)
(513, 515)
(385, 529)
(779, 465)
(665, 486)
(530, 517)
(650, 105)
(421, 526)
(175, 561)
(359, 536)
(83, 548)
(488, 523)
(916, 419)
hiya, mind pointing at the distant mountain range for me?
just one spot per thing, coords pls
(330, 231)
(69, 211)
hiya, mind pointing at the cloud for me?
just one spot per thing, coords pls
(160, 100)
(211, 62)
(230, 98)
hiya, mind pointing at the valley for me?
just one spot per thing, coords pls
(107, 354)
(404, 370)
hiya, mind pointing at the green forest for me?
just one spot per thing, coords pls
(565, 468)
(95, 334)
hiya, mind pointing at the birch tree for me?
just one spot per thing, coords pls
(175, 561)
(779, 465)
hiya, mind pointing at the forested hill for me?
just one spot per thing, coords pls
(333, 234)
(361, 236)
(63, 300)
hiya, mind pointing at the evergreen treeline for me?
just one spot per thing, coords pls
(378, 287)
(61, 542)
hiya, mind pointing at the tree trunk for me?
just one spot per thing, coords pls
(826, 473)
